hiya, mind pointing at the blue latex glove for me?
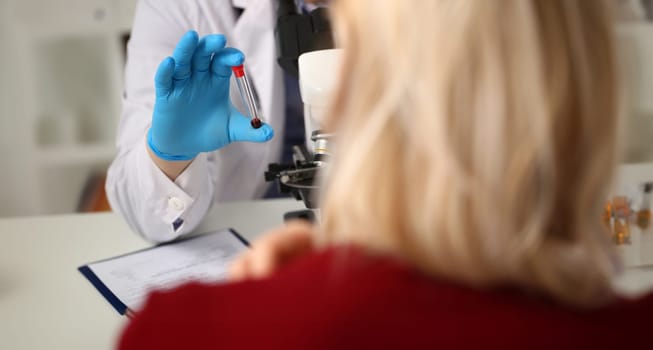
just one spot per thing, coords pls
(192, 111)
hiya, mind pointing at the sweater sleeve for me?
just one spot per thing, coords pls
(159, 325)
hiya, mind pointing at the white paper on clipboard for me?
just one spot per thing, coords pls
(203, 258)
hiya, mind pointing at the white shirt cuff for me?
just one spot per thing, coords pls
(173, 200)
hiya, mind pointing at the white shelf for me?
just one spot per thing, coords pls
(57, 156)
(67, 17)
(639, 26)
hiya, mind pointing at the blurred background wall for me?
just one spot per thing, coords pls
(60, 94)
(61, 69)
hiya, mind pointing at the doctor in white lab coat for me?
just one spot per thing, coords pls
(153, 204)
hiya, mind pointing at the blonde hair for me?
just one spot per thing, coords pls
(476, 139)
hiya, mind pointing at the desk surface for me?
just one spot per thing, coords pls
(46, 304)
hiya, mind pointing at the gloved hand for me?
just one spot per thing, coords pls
(192, 111)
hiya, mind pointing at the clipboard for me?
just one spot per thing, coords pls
(126, 280)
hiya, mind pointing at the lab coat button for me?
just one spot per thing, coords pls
(176, 203)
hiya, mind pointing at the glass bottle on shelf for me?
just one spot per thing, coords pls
(644, 213)
(621, 214)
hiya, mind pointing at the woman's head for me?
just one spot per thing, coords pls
(477, 138)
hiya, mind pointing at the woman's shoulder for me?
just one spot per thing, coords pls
(293, 307)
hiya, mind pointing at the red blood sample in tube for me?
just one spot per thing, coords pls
(247, 94)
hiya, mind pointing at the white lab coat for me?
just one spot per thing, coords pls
(148, 200)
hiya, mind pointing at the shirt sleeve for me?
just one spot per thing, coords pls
(153, 205)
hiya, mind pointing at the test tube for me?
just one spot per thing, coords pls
(247, 94)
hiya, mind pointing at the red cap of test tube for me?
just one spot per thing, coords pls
(239, 71)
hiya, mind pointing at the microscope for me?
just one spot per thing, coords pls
(305, 50)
